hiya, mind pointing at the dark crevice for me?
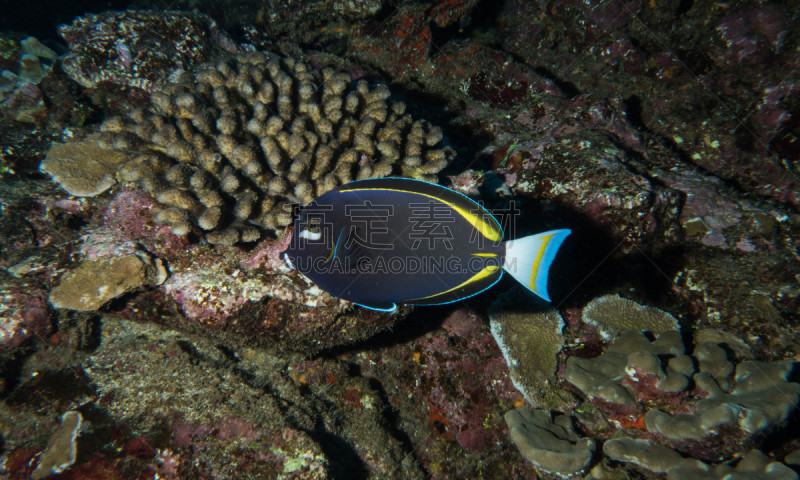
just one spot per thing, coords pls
(481, 17)
(683, 7)
(568, 88)
(414, 325)
(633, 111)
(43, 19)
(195, 357)
(389, 414)
(91, 333)
(11, 368)
(344, 463)
(229, 353)
(391, 418)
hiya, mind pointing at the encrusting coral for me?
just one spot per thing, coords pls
(530, 342)
(62, 449)
(611, 314)
(550, 444)
(231, 149)
(93, 283)
(652, 402)
(82, 168)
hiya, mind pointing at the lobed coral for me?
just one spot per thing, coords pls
(754, 465)
(62, 449)
(93, 283)
(682, 400)
(655, 403)
(550, 444)
(232, 148)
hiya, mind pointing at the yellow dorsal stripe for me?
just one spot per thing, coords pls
(487, 271)
(486, 229)
(483, 254)
(545, 241)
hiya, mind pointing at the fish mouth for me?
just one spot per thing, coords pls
(288, 233)
(287, 260)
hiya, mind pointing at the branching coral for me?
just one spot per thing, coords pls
(232, 148)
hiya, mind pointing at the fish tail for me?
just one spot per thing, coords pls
(528, 259)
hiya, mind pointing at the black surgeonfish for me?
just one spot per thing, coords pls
(386, 241)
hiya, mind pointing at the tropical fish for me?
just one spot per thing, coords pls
(388, 241)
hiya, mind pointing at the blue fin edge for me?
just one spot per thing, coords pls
(528, 259)
(548, 256)
(377, 308)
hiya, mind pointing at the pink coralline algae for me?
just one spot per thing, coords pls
(453, 385)
(139, 49)
(225, 289)
(750, 36)
(23, 313)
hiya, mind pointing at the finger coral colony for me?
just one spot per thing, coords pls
(232, 148)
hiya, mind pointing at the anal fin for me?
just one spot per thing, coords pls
(380, 307)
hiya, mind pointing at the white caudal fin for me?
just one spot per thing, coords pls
(528, 259)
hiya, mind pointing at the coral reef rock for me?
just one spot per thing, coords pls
(230, 150)
(139, 48)
(550, 444)
(23, 312)
(24, 63)
(93, 283)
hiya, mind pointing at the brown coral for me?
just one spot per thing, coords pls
(93, 283)
(82, 168)
(232, 148)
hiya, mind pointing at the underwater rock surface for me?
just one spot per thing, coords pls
(139, 49)
(664, 137)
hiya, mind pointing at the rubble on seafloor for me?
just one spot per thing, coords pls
(268, 417)
(655, 405)
(24, 64)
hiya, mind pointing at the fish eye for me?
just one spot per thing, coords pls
(313, 226)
